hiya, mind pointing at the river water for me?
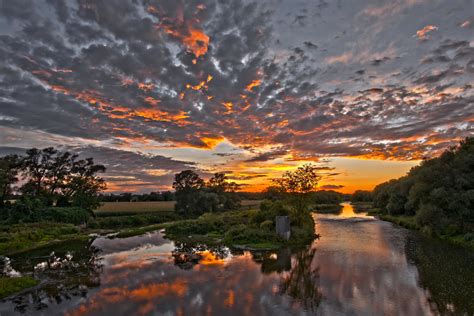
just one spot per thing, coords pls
(358, 266)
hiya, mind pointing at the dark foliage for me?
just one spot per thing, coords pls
(327, 197)
(361, 196)
(194, 196)
(439, 192)
(145, 197)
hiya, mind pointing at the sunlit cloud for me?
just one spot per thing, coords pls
(250, 87)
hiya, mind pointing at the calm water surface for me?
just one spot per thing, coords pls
(359, 266)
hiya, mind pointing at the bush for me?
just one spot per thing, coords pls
(469, 237)
(328, 208)
(70, 215)
(430, 215)
(31, 211)
(267, 225)
(244, 235)
(269, 210)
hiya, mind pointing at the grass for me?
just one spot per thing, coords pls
(9, 286)
(409, 222)
(135, 207)
(20, 237)
(129, 218)
(328, 208)
(362, 207)
(243, 228)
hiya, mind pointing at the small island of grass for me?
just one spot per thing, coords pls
(12, 285)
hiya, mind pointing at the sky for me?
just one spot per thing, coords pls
(363, 89)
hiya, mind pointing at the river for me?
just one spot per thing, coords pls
(359, 266)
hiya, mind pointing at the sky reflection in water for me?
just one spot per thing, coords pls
(359, 266)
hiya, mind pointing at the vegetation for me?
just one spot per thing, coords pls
(327, 197)
(19, 237)
(9, 286)
(438, 194)
(145, 197)
(298, 187)
(251, 228)
(361, 196)
(364, 207)
(195, 197)
(133, 208)
(137, 220)
(328, 208)
(49, 178)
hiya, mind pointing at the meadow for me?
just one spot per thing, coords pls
(133, 208)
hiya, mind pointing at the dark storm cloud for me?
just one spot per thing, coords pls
(316, 78)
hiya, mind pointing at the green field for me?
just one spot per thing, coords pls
(136, 207)
(150, 207)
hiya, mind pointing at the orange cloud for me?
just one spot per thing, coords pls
(423, 33)
(252, 85)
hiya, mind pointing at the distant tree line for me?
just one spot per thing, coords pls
(133, 197)
(49, 177)
(362, 196)
(439, 192)
(194, 196)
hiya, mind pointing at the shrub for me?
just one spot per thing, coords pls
(430, 215)
(269, 210)
(31, 211)
(267, 225)
(244, 235)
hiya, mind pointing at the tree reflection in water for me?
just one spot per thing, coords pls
(302, 281)
(70, 271)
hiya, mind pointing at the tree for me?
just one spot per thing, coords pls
(82, 185)
(361, 196)
(188, 185)
(9, 169)
(55, 176)
(298, 184)
(439, 192)
(35, 166)
(225, 191)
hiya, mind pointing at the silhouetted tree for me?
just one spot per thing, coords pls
(9, 169)
(439, 192)
(298, 184)
(188, 187)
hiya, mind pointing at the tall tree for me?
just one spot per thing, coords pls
(225, 191)
(9, 169)
(83, 185)
(36, 165)
(298, 184)
(188, 187)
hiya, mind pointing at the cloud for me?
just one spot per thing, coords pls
(423, 33)
(331, 187)
(277, 80)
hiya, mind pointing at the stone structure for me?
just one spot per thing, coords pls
(283, 226)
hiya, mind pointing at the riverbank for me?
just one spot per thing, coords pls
(409, 222)
(12, 285)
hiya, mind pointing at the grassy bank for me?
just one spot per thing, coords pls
(250, 229)
(9, 286)
(128, 218)
(114, 208)
(328, 208)
(409, 222)
(21, 237)
(136, 208)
